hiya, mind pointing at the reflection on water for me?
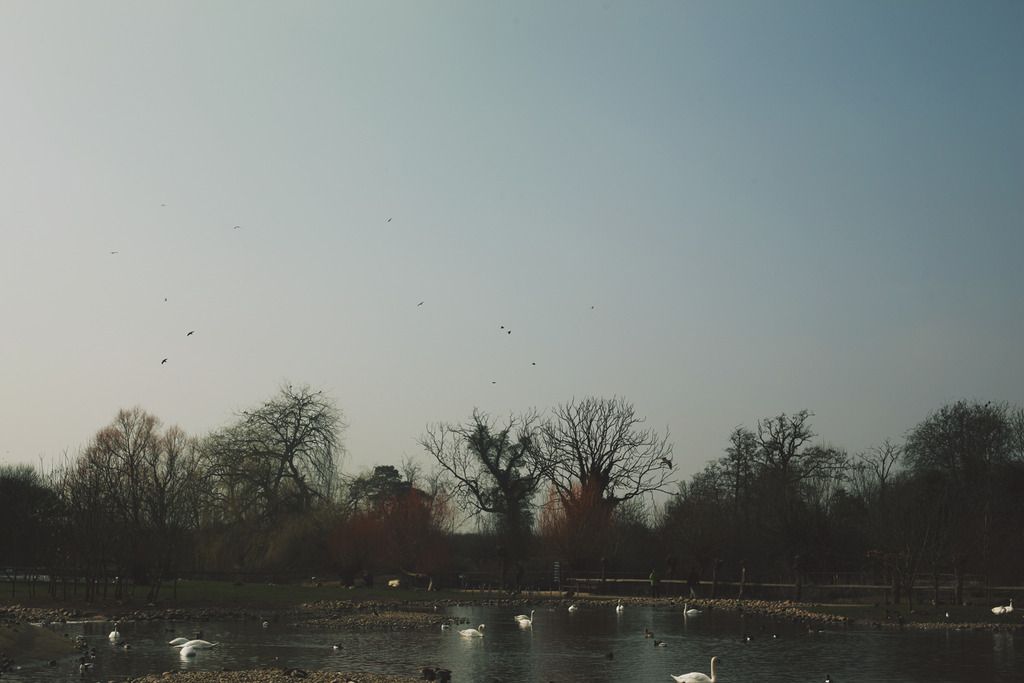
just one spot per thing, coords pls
(587, 645)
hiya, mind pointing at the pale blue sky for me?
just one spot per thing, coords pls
(769, 205)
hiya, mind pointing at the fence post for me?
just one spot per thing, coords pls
(798, 572)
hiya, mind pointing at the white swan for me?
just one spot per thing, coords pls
(477, 632)
(690, 611)
(523, 617)
(114, 635)
(1003, 609)
(573, 608)
(178, 641)
(620, 607)
(696, 676)
(197, 644)
(187, 651)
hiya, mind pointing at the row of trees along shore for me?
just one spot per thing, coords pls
(265, 496)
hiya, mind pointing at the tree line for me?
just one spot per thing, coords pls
(265, 494)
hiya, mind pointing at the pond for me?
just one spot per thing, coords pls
(563, 647)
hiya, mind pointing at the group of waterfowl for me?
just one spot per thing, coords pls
(526, 621)
(1001, 609)
(190, 646)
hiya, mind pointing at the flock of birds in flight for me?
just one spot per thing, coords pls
(507, 331)
(190, 332)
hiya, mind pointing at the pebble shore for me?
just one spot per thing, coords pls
(269, 676)
(425, 614)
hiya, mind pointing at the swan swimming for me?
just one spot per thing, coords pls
(115, 635)
(477, 632)
(187, 651)
(696, 676)
(1003, 609)
(523, 617)
(620, 607)
(197, 644)
(690, 611)
(178, 641)
(573, 608)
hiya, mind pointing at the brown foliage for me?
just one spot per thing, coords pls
(579, 526)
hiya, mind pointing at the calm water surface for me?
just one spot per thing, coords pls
(566, 647)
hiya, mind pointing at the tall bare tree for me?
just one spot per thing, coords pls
(601, 445)
(283, 456)
(596, 454)
(961, 450)
(494, 469)
(739, 462)
(128, 498)
(176, 488)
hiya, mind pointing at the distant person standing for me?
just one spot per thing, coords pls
(654, 583)
(691, 582)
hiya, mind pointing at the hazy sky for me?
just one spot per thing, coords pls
(718, 210)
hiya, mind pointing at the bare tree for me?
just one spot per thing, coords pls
(600, 445)
(411, 470)
(873, 471)
(782, 453)
(175, 492)
(740, 460)
(962, 449)
(281, 456)
(494, 468)
(126, 496)
(828, 478)
(119, 453)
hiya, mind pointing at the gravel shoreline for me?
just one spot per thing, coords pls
(425, 614)
(270, 676)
